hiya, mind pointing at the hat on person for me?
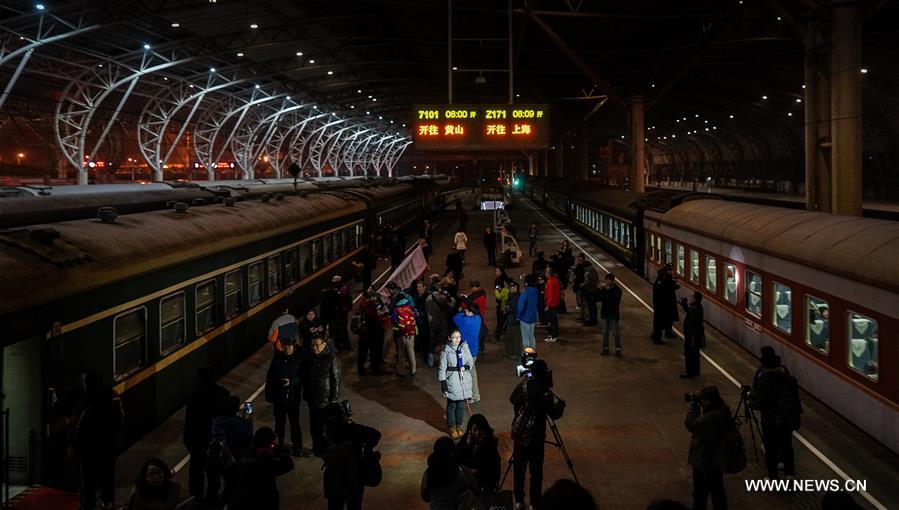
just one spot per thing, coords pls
(336, 278)
(710, 393)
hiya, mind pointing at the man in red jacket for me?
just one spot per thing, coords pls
(552, 298)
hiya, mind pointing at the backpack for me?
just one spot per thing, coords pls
(556, 408)
(370, 468)
(219, 455)
(731, 456)
(789, 406)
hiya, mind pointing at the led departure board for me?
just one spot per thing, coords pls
(479, 127)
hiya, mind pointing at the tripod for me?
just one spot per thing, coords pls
(745, 414)
(558, 443)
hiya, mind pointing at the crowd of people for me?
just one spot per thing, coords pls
(436, 322)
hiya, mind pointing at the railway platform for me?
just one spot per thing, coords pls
(623, 425)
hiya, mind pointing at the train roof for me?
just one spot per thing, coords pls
(605, 198)
(862, 249)
(65, 259)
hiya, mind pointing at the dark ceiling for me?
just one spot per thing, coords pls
(701, 64)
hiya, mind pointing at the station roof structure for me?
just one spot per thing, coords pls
(722, 79)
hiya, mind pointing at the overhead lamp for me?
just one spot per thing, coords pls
(352, 107)
(211, 69)
(380, 118)
(191, 85)
(330, 73)
(239, 53)
(176, 25)
(789, 114)
(731, 116)
(368, 113)
(798, 100)
(697, 115)
(254, 26)
(778, 18)
(803, 85)
(369, 97)
(404, 125)
(517, 95)
(257, 86)
(391, 122)
(165, 78)
(358, 91)
(673, 135)
(764, 98)
(455, 68)
(146, 46)
(374, 100)
(100, 65)
(864, 70)
(311, 60)
(299, 53)
(39, 7)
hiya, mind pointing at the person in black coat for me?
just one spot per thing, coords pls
(368, 260)
(454, 263)
(664, 303)
(694, 334)
(538, 267)
(283, 388)
(256, 475)
(322, 388)
(490, 246)
(530, 397)
(198, 414)
(610, 313)
(310, 327)
(478, 450)
(347, 443)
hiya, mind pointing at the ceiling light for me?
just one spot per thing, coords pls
(789, 114)
(697, 115)
(358, 91)
(673, 136)
(676, 120)
(257, 86)
(99, 65)
(706, 129)
(369, 97)
(211, 69)
(146, 46)
(352, 107)
(299, 53)
(166, 78)
(391, 122)
(864, 70)
(404, 125)
(517, 95)
(311, 60)
(803, 85)
(254, 26)
(380, 118)
(764, 98)
(176, 25)
(778, 18)
(240, 54)
(731, 116)
(374, 100)
(705, 121)
(39, 7)
(191, 85)
(368, 113)
(455, 68)
(330, 73)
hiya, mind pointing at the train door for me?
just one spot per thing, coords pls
(22, 403)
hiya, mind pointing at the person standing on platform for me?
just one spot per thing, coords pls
(538, 267)
(588, 291)
(368, 260)
(330, 304)
(405, 328)
(478, 451)
(419, 293)
(322, 388)
(427, 232)
(553, 298)
(529, 400)
(461, 242)
(232, 430)
(442, 482)
(707, 420)
(310, 328)
(513, 326)
(577, 279)
(779, 406)
(694, 334)
(371, 333)
(438, 310)
(257, 474)
(198, 416)
(490, 246)
(97, 422)
(154, 488)
(284, 330)
(526, 312)
(533, 236)
(470, 323)
(454, 373)
(501, 293)
(454, 263)
(425, 248)
(478, 296)
(664, 303)
(283, 388)
(610, 295)
(348, 444)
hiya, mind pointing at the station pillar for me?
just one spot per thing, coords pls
(817, 121)
(846, 108)
(638, 144)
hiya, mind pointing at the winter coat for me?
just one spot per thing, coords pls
(307, 334)
(438, 308)
(538, 267)
(323, 386)
(502, 298)
(238, 433)
(591, 279)
(198, 415)
(442, 497)
(708, 431)
(767, 388)
(257, 488)
(526, 309)
(664, 300)
(447, 371)
(611, 302)
(553, 292)
(460, 240)
(479, 297)
(490, 241)
(512, 308)
(284, 367)
(284, 330)
(470, 327)
(694, 326)
(331, 304)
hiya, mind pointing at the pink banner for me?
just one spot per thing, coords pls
(412, 267)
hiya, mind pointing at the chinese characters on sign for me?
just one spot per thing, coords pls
(472, 127)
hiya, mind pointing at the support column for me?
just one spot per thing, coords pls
(846, 109)
(817, 121)
(638, 156)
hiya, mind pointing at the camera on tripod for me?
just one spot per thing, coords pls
(746, 391)
(526, 368)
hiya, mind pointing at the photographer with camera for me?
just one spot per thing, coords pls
(708, 420)
(531, 399)
(694, 334)
(774, 395)
(610, 297)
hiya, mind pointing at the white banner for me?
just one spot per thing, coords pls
(412, 267)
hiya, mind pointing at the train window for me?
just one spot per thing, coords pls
(694, 266)
(205, 304)
(172, 328)
(711, 274)
(817, 334)
(359, 233)
(753, 285)
(317, 259)
(290, 266)
(730, 283)
(680, 259)
(130, 330)
(659, 249)
(328, 254)
(233, 291)
(305, 260)
(274, 275)
(254, 295)
(347, 239)
(652, 247)
(782, 316)
(862, 344)
(338, 244)
(668, 259)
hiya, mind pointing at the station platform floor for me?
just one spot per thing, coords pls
(623, 426)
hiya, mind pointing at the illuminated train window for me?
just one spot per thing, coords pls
(680, 259)
(290, 266)
(668, 255)
(274, 274)
(305, 260)
(233, 291)
(172, 328)
(694, 266)
(130, 330)
(862, 350)
(817, 333)
(205, 306)
(730, 283)
(753, 293)
(254, 295)
(782, 312)
(711, 274)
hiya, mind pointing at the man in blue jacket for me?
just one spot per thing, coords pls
(526, 312)
(469, 324)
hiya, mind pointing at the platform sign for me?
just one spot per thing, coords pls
(481, 127)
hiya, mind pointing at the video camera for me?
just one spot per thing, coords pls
(526, 368)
